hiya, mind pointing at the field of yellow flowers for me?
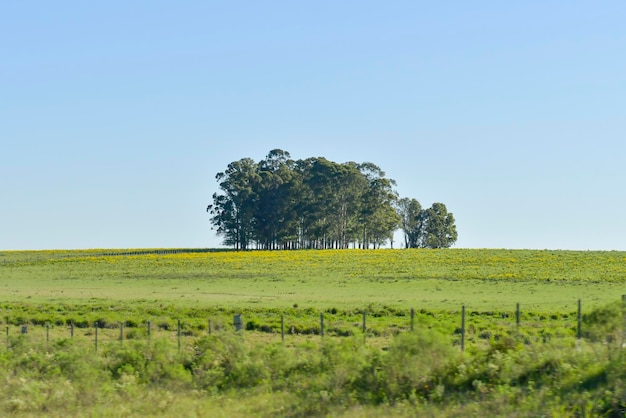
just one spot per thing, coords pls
(83, 285)
(350, 278)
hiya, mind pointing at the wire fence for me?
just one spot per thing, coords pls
(33, 257)
(467, 327)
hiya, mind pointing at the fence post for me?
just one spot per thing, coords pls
(322, 324)
(47, 333)
(412, 319)
(580, 320)
(364, 325)
(463, 328)
(282, 327)
(121, 332)
(209, 327)
(149, 330)
(96, 336)
(179, 335)
(623, 320)
(72, 330)
(517, 316)
(238, 322)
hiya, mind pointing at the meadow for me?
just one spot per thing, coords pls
(353, 279)
(391, 366)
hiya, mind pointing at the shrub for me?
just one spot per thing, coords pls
(151, 363)
(222, 362)
(412, 365)
(604, 323)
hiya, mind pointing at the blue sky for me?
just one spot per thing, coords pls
(116, 116)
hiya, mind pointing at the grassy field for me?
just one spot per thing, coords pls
(537, 369)
(350, 279)
(162, 286)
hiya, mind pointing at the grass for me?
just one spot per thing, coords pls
(545, 281)
(162, 286)
(539, 369)
(417, 374)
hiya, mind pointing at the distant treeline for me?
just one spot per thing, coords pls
(279, 203)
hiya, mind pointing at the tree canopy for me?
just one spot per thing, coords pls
(279, 203)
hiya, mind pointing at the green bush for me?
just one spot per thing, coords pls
(411, 367)
(604, 324)
(224, 362)
(153, 363)
(420, 373)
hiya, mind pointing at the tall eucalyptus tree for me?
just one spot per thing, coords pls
(378, 217)
(331, 198)
(411, 221)
(439, 228)
(274, 218)
(233, 210)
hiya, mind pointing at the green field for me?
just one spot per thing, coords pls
(538, 367)
(349, 279)
(164, 286)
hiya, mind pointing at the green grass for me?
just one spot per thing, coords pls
(539, 369)
(82, 287)
(417, 374)
(546, 281)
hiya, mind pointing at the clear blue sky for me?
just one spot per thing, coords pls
(115, 116)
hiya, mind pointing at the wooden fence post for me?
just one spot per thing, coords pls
(121, 332)
(580, 320)
(282, 328)
(412, 319)
(210, 326)
(322, 324)
(517, 316)
(623, 320)
(47, 333)
(96, 336)
(463, 328)
(72, 330)
(149, 330)
(364, 325)
(179, 334)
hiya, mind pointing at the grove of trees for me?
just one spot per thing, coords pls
(279, 203)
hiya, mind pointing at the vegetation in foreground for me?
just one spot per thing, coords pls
(418, 373)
